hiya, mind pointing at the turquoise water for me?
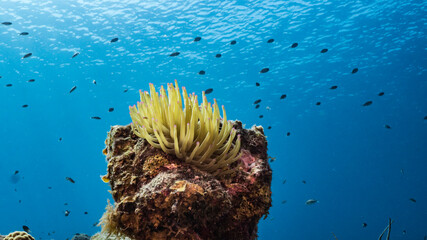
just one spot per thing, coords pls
(362, 163)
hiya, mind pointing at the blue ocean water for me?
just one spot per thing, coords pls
(363, 164)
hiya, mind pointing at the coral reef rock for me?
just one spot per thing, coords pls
(158, 196)
(18, 235)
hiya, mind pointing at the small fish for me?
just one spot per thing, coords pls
(233, 42)
(381, 94)
(387, 126)
(425, 118)
(75, 55)
(270, 40)
(110, 109)
(284, 181)
(284, 201)
(257, 84)
(85, 212)
(324, 50)
(202, 72)
(269, 127)
(24, 33)
(257, 106)
(268, 108)
(95, 117)
(60, 139)
(364, 225)
(311, 201)
(27, 55)
(26, 229)
(355, 70)
(16, 172)
(126, 90)
(288, 134)
(209, 90)
(413, 200)
(174, 54)
(272, 159)
(25, 105)
(49, 187)
(334, 87)
(94, 82)
(257, 101)
(95, 224)
(261, 116)
(283, 96)
(31, 80)
(404, 232)
(367, 103)
(294, 45)
(303, 181)
(218, 55)
(9, 85)
(318, 103)
(264, 70)
(65, 204)
(6, 23)
(70, 179)
(114, 40)
(67, 213)
(196, 39)
(73, 88)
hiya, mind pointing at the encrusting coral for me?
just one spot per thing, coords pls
(18, 235)
(157, 195)
(179, 126)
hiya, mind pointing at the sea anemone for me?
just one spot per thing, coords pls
(193, 133)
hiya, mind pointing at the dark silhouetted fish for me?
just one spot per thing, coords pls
(257, 84)
(126, 90)
(24, 33)
(85, 212)
(27, 55)
(6, 23)
(257, 101)
(288, 134)
(202, 72)
(73, 88)
(111, 109)
(31, 80)
(67, 213)
(94, 82)
(114, 40)
(270, 40)
(269, 127)
(60, 139)
(364, 225)
(355, 70)
(283, 96)
(311, 201)
(26, 229)
(381, 94)
(233, 42)
(334, 87)
(16, 172)
(49, 187)
(324, 50)
(174, 54)
(294, 45)
(404, 232)
(96, 118)
(367, 103)
(264, 70)
(197, 39)
(70, 180)
(318, 103)
(257, 106)
(75, 55)
(425, 118)
(209, 90)
(9, 85)
(284, 201)
(387, 126)
(284, 181)
(218, 55)
(25, 105)
(261, 116)
(413, 200)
